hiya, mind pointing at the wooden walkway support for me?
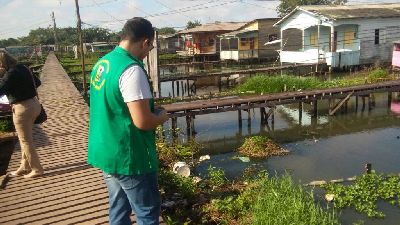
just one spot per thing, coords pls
(71, 192)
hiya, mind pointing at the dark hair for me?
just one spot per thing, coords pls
(137, 29)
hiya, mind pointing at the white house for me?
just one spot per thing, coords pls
(339, 35)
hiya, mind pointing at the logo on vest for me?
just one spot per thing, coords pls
(100, 67)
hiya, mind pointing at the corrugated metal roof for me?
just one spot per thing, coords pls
(355, 11)
(337, 12)
(212, 27)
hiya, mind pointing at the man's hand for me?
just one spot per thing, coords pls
(143, 118)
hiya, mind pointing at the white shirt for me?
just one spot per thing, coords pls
(133, 84)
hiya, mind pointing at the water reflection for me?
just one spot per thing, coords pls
(322, 148)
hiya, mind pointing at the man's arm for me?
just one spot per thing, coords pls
(143, 118)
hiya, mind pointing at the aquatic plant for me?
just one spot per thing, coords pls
(365, 192)
(261, 147)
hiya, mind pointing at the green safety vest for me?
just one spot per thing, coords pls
(116, 145)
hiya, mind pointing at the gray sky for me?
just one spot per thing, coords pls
(20, 16)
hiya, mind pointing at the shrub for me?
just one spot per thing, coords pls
(6, 125)
(377, 75)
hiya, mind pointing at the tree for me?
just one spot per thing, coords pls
(286, 6)
(9, 42)
(192, 24)
(166, 30)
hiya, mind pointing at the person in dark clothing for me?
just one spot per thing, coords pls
(17, 83)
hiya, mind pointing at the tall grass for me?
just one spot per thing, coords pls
(280, 201)
(271, 201)
(276, 84)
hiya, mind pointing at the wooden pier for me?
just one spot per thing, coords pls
(338, 98)
(71, 191)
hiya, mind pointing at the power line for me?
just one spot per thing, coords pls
(106, 12)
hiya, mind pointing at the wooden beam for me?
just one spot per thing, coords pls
(339, 104)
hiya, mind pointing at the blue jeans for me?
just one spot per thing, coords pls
(138, 193)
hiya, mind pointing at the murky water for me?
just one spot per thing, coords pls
(325, 148)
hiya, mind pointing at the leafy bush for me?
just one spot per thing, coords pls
(174, 183)
(6, 125)
(216, 176)
(378, 74)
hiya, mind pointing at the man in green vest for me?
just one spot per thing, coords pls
(122, 127)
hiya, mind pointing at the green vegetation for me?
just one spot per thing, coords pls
(261, 147)
(275, 84)
(365, 192)
(378, 74)
(171, 153)
(216, 177)
(66, 36)
(253, 198)
(270, 200)
(6, 125)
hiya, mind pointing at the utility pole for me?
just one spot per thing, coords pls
(81, 47)
(55, 32)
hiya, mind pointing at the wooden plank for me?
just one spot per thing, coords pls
(71, 191)
(339, 105)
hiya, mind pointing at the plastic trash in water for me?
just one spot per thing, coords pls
(244, 159)
(181, 168)
(204, 157)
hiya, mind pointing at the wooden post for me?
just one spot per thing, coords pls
(56, 47)
(173, 89)
(315, 108)
(188, 88)
(193, 131)
(219, 84)
(300, 112)
(273, 116)
(152, 66)
(240, 118)
(368, 168)
(389, 99)
(363, 103)
(177, 88)
(262, 115)
(182, 88)
(356, 103)
(79, 24)
(174, 122)
(188, 133)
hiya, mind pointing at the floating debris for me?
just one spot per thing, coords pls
(204, 157)
(244, 159)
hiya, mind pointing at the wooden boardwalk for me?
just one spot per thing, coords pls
(233, 103)
(71, 192)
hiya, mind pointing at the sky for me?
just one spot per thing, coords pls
(20, 16)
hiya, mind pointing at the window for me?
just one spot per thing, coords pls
(243, 41)
(377, 36)
(348, 37)
(211, 42)
(225, 44)
(233, 44)
(397, 47)
(272, 37)
(313, 39)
